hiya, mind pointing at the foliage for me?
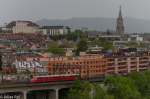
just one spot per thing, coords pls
(54, 48)
(142, 81)
(67, 44)
(134, 44)
(133, 86)
(103, 43)
(72, 36)
(80, 90)
(82, 45)
(100, 93)
(57, 37)
(122, 87)
(86, 90)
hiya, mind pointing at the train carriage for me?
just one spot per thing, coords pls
(54, 78)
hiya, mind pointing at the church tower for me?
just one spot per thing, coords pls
(120, 23)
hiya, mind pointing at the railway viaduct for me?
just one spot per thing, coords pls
(25, 89)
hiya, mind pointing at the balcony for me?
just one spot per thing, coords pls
(142, 58)
(133, 70)
(133, 67)
(111, 59)
(143, 63)
(142, 69)
(122, 65)
(111, 72)
(142, 66)
(110, 62)
(123, 72)
(110, 68)
(122, 61)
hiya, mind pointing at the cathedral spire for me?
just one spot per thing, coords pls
(120, 12)
(120, 23)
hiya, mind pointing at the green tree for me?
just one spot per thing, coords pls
(82, 45)
(142, 81)
(57, 37)
(107, 45)
(100, 93)
(67, 44)
(122, 88)
(133, 86)
(54, 48)
(75, 35)
(80, 90)
(72, 36)
(133, 44)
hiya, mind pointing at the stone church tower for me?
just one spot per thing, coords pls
(120, 23)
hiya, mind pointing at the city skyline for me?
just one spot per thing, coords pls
(64, 9)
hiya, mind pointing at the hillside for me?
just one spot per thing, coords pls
(102, 24)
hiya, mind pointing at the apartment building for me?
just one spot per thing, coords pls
(126, 63)
(88, 66)
(94, 65)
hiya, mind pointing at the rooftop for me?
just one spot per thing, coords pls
(29, 23)
(54, 27)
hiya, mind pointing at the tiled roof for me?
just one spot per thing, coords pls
(29, 23)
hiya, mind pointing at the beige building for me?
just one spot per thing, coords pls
(23, 27)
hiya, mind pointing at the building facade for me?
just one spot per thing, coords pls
(136, 38)
(124, 64)
(55, 30)
(22, 27)
(87, 66)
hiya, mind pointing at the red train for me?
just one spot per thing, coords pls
(54, 78)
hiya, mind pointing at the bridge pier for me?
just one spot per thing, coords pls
(54, 94)
(25, 94)
(48, 90)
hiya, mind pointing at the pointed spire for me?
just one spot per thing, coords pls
(120, 23)
(120, 12)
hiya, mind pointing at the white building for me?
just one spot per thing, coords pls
(95, 49)
(55, 30)
(23, 27)
(120, 44)
(135, 38)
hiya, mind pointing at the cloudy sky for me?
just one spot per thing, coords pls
(62, 9)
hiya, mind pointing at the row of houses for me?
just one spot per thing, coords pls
(31, 27)
(31, 41)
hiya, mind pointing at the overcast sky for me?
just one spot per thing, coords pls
(60, 9)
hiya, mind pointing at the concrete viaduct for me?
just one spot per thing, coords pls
(24, 89)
